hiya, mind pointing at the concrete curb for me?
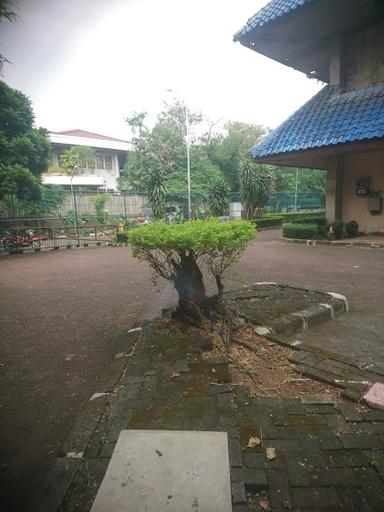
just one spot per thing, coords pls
(306, 318)
(340, 243)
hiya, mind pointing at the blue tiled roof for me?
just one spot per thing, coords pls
(273, 10)
(330, 117)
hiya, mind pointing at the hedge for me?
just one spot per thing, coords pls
(267, 222)
(301, 231)
(319, 221)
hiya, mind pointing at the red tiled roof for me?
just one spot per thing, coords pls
(90, 135)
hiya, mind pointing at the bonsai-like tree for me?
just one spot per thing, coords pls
(180, 253)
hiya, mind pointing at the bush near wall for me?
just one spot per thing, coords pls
(272, 220)
(301, 231)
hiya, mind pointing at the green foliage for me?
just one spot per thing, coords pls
(24, 150)
(319, 221)
(268, 222)
(50, 198)
(351, 228)
(156, 190)
(74, 158)
(227, 150)
(301, 231)
(99, 203)
(292, 217)
(218, 194)
(176, 251)
(308, 180)
(338, 229)
(257, 184)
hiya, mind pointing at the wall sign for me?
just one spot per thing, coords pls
(362, 187)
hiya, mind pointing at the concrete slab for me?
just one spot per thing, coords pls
(160, 470)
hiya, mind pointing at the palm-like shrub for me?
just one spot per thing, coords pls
(257, 182)
(218, 197)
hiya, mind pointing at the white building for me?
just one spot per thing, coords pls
(101, 174)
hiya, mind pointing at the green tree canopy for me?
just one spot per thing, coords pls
(24, 150)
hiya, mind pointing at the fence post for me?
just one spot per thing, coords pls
(76, 218)
(125, 206)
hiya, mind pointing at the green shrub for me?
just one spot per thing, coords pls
(319, 221)
(351, 228)
(338, 229)
(301, 231)
(267, 222)
(290, 217)
(122, 237)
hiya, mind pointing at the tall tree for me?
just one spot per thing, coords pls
(227, 149)
(24, 150)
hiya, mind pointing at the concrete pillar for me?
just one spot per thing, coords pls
(336, 60)
(334, 199)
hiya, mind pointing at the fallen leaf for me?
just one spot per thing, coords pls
(253, 442)
(175, 374)
(270, 453)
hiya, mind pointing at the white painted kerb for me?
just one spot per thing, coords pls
(172, 471)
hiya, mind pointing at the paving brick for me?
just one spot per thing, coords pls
(372, 486)
(255, 479)
(279, 490)
(353, 500)
(329, 441)
(315, 498)
(307, 420)
(361, 442)
(347, 458)
(235, 456)
(312, 451)
(373, 416)
(298, 472)
(238, 493)
(336, 477)
(350, 412)
(284, 445)
(294, 406)
(316, 400)
(320, 409)
(255, 460)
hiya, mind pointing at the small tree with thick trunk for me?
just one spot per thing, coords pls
(180, 252)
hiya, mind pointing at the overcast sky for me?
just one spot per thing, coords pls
(90, 63)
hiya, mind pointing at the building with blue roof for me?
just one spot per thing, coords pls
(340, 129)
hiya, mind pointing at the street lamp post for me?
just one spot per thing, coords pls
(188, 162)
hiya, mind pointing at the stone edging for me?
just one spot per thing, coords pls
(342, 243)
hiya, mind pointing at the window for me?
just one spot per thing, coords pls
(108, 163)
(99, 162)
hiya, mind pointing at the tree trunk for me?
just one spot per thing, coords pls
(190, 287)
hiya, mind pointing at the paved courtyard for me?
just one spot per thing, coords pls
(64, 315)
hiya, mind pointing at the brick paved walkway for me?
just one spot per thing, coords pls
(329, 457)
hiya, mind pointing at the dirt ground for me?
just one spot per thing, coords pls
(63, 312)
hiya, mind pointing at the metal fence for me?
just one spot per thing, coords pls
(73, 223)
(20, 240)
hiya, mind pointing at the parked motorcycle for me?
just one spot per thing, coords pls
(12, 243)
